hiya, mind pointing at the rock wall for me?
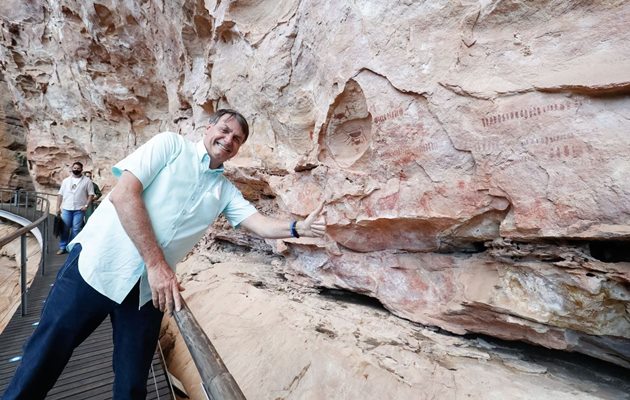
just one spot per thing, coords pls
(472, 155)
(13, 161)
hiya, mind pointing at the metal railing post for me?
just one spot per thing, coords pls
(44, 246)
(18, 194)
(23, 272)
(26, 206)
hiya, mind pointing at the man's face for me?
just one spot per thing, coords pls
(88, 175)
(76, 170)
(223, 140)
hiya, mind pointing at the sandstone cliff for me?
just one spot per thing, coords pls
(471, 154)
(13, 164)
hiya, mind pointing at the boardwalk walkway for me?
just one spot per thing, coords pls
(89, 373)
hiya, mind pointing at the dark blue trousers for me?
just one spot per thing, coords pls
(73, 310)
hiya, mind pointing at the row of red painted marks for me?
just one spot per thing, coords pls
(500, 145)
(560, 151)
(427, 147)
(546, 139)
(527, 113)
(570, 151)
(388, 115)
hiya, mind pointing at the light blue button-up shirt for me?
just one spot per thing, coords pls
(183, 196)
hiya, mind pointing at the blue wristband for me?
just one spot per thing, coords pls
(294, 232)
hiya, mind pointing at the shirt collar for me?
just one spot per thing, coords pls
(204, 158)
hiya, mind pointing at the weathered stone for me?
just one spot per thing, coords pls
(13, 158)
(281, 340)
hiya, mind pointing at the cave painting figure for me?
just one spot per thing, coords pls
(355, 136)
(169, 191)
(349, 131)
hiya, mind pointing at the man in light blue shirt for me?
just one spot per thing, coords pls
(122, 264)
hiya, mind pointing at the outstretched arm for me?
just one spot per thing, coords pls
(127, 200)
(272, 228)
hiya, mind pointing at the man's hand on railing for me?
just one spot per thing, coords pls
(165, 287)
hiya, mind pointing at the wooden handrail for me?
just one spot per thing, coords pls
(216, 378)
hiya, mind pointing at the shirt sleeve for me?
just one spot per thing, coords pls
(90, 188)
(62, 187)
(148, 160)
(237, 209)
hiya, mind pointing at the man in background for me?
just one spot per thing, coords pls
(95, 199)
(74, 197)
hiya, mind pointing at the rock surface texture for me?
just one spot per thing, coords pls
(285, 341)
(472, 155)
(13, 160)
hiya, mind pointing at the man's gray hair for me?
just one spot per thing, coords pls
(216, 116)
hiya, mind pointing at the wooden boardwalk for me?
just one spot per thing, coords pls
(89, 374)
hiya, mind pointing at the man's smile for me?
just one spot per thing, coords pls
(224, 147)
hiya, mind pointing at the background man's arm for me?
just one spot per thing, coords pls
(127, 200)
(90, 195)
(89, 201)
(59, 202)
